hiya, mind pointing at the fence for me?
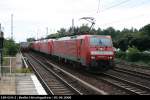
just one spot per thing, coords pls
(9, 65)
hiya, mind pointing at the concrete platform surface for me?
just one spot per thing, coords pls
(7, 85)
(28, 84)
(19, 61)
(21, 84)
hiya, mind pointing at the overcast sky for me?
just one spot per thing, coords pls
(33, 16)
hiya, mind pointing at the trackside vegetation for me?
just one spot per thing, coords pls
(10, 47)
(134, 55)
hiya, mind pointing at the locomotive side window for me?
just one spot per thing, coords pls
(96, 41)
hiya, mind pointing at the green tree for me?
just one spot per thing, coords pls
(53, 36)
(62, 32)
(142, 43)
(10, 47)
(84, 29)
(123, 44)
(30, 39)
(99, 30)
(146, 30)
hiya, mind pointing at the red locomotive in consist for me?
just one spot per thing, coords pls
(91, 51)
(24, 46)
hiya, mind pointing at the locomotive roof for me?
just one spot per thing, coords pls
(71, 38)
(80, 37)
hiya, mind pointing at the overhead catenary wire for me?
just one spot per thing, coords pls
(121, 3)
(131, 19)
(125, 19)
(115, 5)
(141, 3)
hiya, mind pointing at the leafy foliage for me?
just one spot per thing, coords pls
(146, 29)
(133, 54)
(10, 47)
(30, 39)
(121, 55)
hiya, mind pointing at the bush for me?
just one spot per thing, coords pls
(145, 57)
(10, 48)
(133, 54)
(121, 54)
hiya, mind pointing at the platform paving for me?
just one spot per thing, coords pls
(21, 84)
(19, 61)
(27, 85)
(7, 85)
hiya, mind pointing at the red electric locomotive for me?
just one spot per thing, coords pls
(46, 46)
(24, 46)
(36, 45)
(92, 51)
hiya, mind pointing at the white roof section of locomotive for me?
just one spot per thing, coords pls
(65, 38)
(70, 38)
(37, 41)
(22, 44)
(49, 40)
(44, 40)
(80, 37)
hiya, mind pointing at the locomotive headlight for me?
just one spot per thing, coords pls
(92, 57)
(110, 57)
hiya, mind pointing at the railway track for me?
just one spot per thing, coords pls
(105, 79)
(81, 74)
(132, 72)
(132, 65)
(86, 87)
(54, 84)
(126, 84)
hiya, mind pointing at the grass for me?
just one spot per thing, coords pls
(5, 61)
(23, 70)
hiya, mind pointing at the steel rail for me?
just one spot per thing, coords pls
(58, 77)
(85, 84)
(48, 90)
(142, 89)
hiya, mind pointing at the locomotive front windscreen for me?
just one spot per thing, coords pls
(98, 41)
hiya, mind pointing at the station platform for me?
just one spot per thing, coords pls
(21, 84)
(7, 85)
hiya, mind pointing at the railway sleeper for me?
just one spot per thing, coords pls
(63, 92)
(134, 89)
(61, 88)
(55, 85)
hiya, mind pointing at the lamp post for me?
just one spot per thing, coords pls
(1, 50)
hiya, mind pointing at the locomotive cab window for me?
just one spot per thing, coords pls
(97, 41)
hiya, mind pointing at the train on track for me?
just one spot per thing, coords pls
(24, 46)
(93, 52)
